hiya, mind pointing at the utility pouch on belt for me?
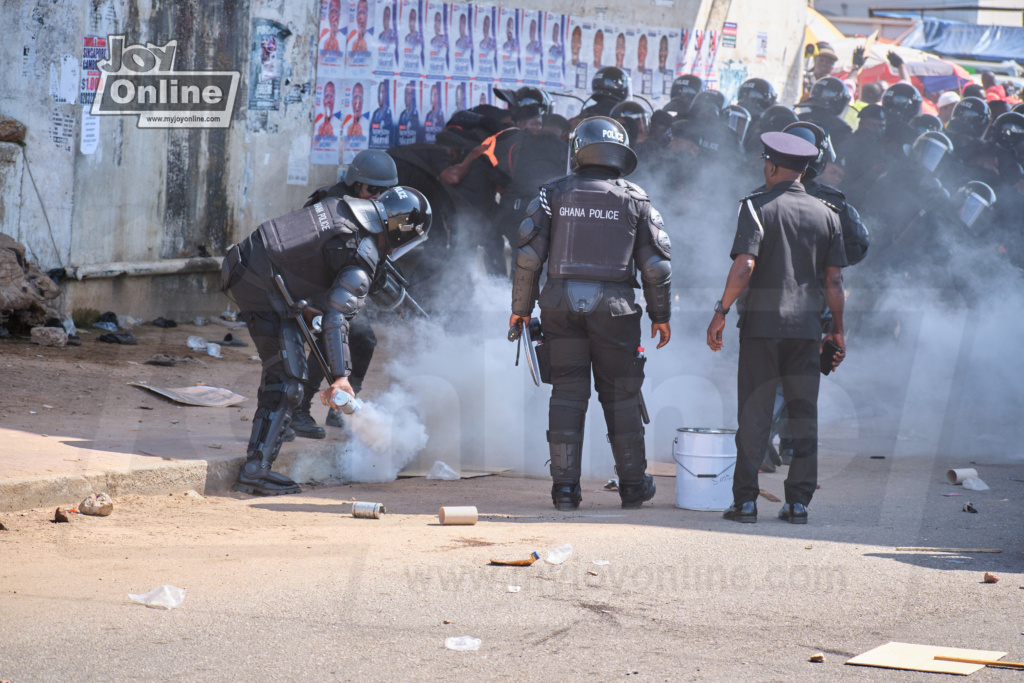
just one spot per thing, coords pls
(583, 296)
(633, 378)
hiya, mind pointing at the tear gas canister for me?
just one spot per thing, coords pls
(345, 402)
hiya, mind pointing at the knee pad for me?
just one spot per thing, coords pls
(293, 393)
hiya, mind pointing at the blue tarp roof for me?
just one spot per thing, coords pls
(968, 41)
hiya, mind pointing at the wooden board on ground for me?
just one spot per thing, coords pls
(661, 469)
(464, 474)
(910, 657)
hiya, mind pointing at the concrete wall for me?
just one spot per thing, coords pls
(149, 194)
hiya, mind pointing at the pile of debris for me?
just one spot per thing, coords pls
(26, 293)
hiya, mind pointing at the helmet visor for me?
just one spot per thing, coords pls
(931, 154)
(972, 209)
(739, 121)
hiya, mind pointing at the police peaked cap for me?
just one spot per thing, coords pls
(788, 151)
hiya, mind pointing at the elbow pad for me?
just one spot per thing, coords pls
(656, 273)
(335, 338)
(346, 296)
(530, 257)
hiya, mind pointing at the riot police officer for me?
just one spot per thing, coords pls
(825, 107)
(901, 103)
(371, 173)
(595, 230)
(334, 250)
(756, 95)
(609, 86)
(684, 89)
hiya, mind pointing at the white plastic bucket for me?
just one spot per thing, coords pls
(705, 463)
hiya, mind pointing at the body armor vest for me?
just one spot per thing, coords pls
(295, 243)
(593, 230)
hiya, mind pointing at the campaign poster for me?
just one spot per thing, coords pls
(665, 73)
(438, 65)
(581, 51)
(509, 53)
(326, 122)
(383, 131)
(435, 98)
(604, 46)
(553, 36)
(709, 59)
(625, 49)
(640, 60)
(689, 51)
(533, 51)
(330, 60)
(385, 53)
(485, 19)
(360, 43)
(482, 92)
(461, 96)
(266, 64)
(407, 91)
(355, 118)
(460, 30)
(410, 28)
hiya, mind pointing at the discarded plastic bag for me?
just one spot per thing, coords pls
(462, 643)
(196, 343)
(601, 562)
(560, 554)
(213, 349)
(109, 327)
(975, 484)
(442, 471)
(164, 597)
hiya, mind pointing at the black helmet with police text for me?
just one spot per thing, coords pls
(1007, 131)
(901, 102)
(686, 86)
(922, 123)
(756, 95)
(611, 82)
(776, 118)
(929, 149)
(830, 94)
(528, 94)
(374, 168)
(973, 199)
(408, 218)
(708, 105)
(631, 110)
(602, 142)
(970, 116)
(817, 136)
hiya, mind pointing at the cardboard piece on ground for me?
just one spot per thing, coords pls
(207, 397)
(910, 657)
(661, 469)
(464, 474)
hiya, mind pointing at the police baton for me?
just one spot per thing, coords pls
(296, 307)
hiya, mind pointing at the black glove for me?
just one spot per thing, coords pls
(858, 57)
(895, 60)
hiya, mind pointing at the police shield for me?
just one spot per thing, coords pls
(531, 354)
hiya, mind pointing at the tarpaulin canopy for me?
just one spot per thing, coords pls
(820, 29)
(968, 41)
(928, 73)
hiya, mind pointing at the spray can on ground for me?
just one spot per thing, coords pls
(346, 403)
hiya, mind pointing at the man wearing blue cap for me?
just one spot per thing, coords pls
(796, 243)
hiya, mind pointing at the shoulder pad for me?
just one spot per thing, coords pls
(534, 205)
(365, 214)
(834, 194)
(317, 196)
(368, 253)
(633, 188)
(528, 229)
(660, 237)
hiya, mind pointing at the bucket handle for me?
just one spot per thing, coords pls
(702, 476)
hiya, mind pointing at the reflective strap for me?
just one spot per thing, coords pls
(489, 144)
(753, 212)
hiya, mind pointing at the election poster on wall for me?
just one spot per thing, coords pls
(354, 118)
(438, 63)
(485, 19)
(410, 129)
(385, 53)
(460, 32)
(533, 47)
(330, 60)
(382, 130)
(709, 58)
(664, 74)
(554, 37)
(581, 46)
(326, 123)
(360, 44)
(641, 61)
(509, 52)
(436, 94)
(410, 29)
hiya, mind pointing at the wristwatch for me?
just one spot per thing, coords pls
(719, 308)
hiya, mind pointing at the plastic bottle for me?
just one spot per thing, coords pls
(345, 402)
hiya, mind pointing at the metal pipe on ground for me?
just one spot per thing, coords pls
(179, 266)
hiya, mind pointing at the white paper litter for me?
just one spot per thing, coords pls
(163, 597)
(514, 589)
(975, 484)
(442, 471)
(462, 643)
(601, 562)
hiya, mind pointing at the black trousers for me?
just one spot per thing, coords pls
(764, 362)
(602, 344)
(361, 343)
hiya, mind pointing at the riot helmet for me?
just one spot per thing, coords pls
(526, 95)
(602, 142)
(408, 218)
(708, 105)
(922, 123)
(738, 120)
(633, 111)
(901, 102)
(975, 198)
(686, 87)
(975, 90)
(1018, 108)
(611, 82)
(970, 116)
(373, 168)
(776, 118)
(1008, 132)
(929, 149)
(678, 107)
(830, 94)
(756, 95)
(817, 136)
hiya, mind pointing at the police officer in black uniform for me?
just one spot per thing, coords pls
(788, 255)
(609, 86)
(595, 230)
(333, 250)
(825, 106)
(756, 95)
(371, 173)
(684, 89)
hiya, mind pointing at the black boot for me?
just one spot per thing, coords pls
(305, 426)
(566, 497)
(742, 512)
(636, 487)
(334, 419)
(255, 477)
(566, 447)
(269, 430)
